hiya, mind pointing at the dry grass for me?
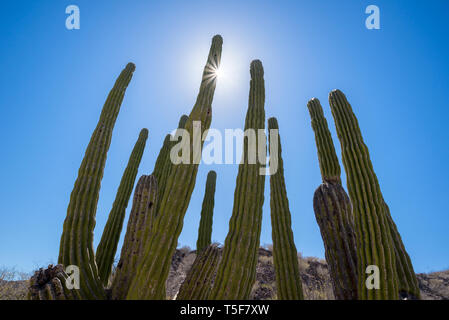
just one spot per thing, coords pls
(13, 284)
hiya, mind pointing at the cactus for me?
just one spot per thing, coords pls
(111, 234)
(378, 242)
(333, 212)
(76, 246)
(327, 157)
(50, 284)
(237, 271)
(200, 277)
(205, 228)
(285, 257)
(152, 272)
(163, 165)
(137, 234)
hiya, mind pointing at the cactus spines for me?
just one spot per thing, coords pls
(378, 242)
(285, 255)
(199, 280)
(237, 271)
(207, 211)
(50, 284)
(333, 212)
(137, 233)
(76, 246)
(152, 272)
(111, 234)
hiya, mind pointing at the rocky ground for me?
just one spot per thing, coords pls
(314, 276)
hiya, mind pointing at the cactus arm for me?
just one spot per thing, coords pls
(137, 234)
(76, 246)
(333, 211)
(285, 257)
(237, 270)
(200, 277)
(111, 234)
(205, 228)
(328, 160)
(373, 239)
(155, 266)
(378, 241)
(163, 165)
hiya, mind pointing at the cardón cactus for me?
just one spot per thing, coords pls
(207, 211)
(378, 242)
(333, 212)
(137, 234)
(76, 246)
(237, 271)
(327, 157)
(111, 234)
(199, 280)
(152, 273)
(285, 255)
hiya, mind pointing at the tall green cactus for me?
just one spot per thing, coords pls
(333, 212)
(111, 234)
(163, 165)
(379, 243)
(207, 211)
(285, 255)
(327, 157)
(152, 272)
(76, 246)
(237, 271)
(200, 277)
(137, 234)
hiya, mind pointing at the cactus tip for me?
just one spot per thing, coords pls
(313, 100)
(212, 174)
(256, 68)
(217, 38)
(273, 123)
(144, 132)
(182, 121)
(335, 92)
(314, 106)
(131, 66)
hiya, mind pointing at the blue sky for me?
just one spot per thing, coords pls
(54, 82)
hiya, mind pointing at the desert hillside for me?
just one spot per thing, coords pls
(314, 276)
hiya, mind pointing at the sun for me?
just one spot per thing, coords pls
(218, 72)
(230, 76)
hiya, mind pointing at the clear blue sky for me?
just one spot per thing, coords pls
(53, 84)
